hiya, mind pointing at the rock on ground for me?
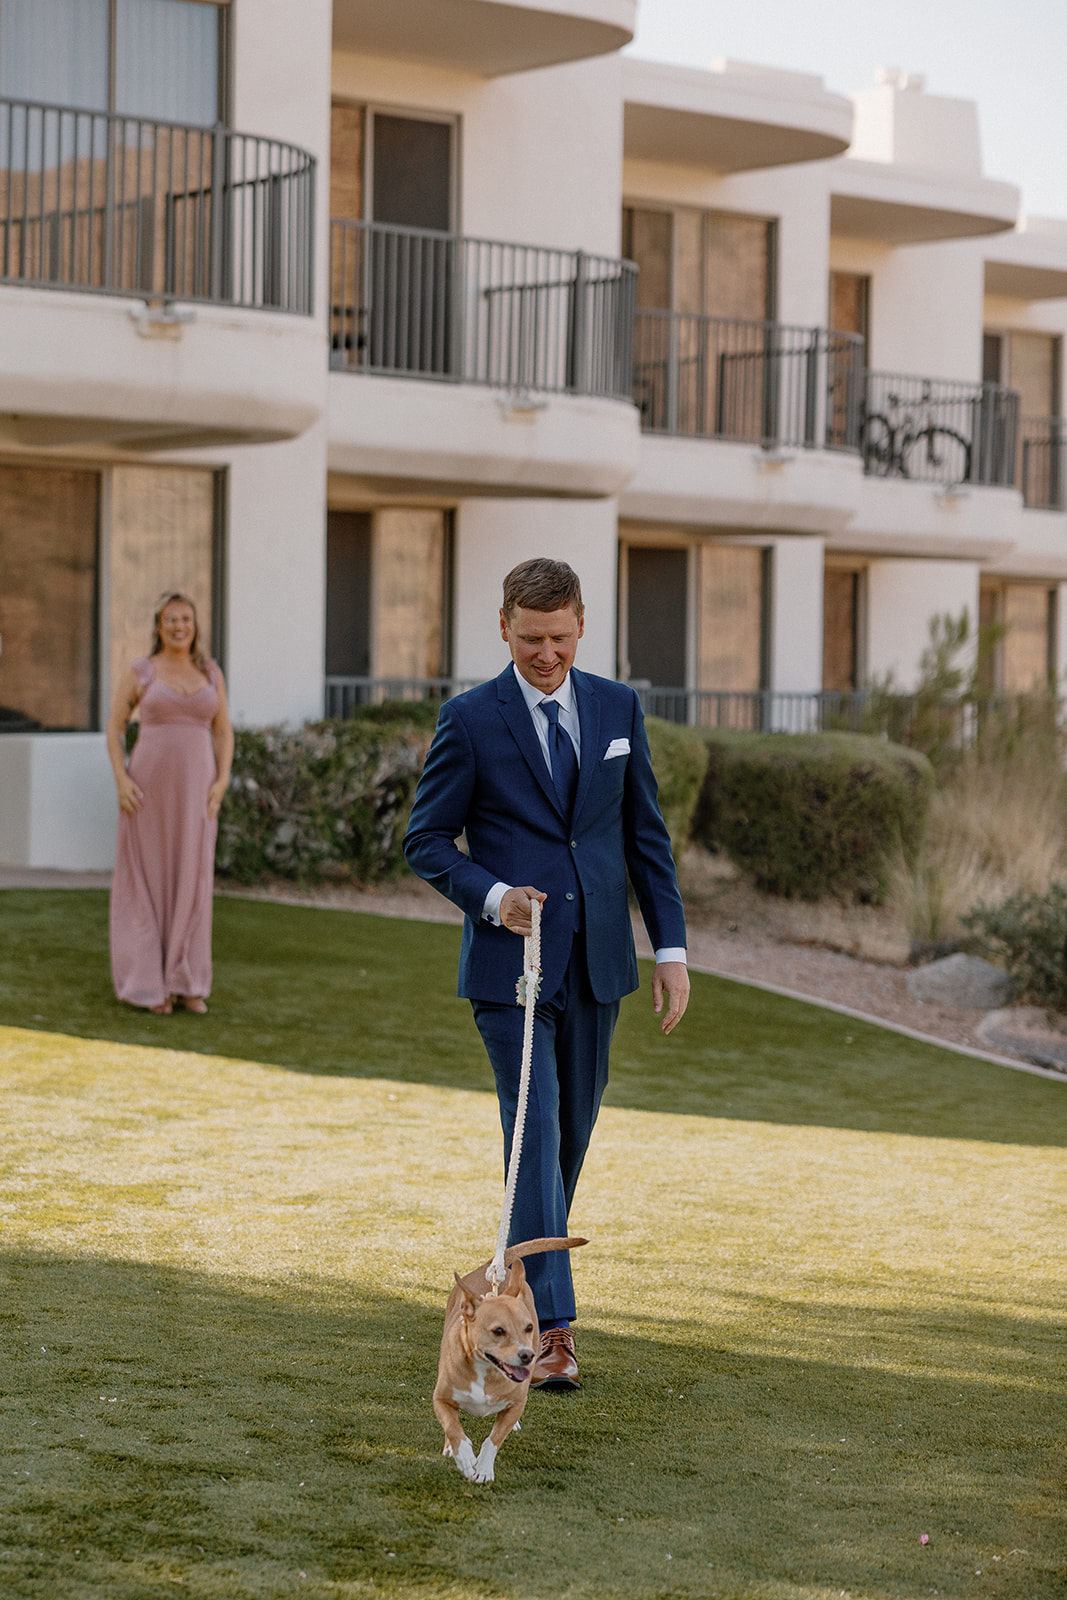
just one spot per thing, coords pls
(1029, 1032)
(961, 980)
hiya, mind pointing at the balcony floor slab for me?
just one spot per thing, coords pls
(723, 483)
(78, 372)
(484, 36)
(464, 439)
(711, 483)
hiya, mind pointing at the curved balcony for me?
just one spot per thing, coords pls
(935, 430)
(119, 205)
(1043, 463)
(98, 205)
(753, 382)
(900, 205)
(807, 388)
(735, 118)
(824, 430)
(494, 367)
(489, 37)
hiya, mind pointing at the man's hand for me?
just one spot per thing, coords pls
(670, 979)
(515, 908)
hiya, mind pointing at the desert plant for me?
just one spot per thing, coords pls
(813, 815)
(1027, 934)
(996, 827)
(949, 707)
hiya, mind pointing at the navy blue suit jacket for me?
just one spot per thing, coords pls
(486, 776)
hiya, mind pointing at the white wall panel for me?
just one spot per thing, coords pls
(539, 152)
(276, 580)
(57, 801)
(492, 536)
(902, 597)
(796, 614)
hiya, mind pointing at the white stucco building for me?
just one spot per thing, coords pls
(331, 314)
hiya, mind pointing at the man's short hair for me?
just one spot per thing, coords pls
(542, 585)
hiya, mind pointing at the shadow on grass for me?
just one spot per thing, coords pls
(354, 995)
(161, 1427)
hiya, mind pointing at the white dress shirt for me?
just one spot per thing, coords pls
(568, 720)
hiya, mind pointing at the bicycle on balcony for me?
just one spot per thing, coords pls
(907, 440)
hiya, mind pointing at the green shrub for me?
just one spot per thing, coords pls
(1027, 934)
(813, 815)
(679, 760)
(328, 800)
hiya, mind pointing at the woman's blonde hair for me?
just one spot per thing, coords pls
(172, 597)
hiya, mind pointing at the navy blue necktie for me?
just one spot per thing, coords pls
(562, 756)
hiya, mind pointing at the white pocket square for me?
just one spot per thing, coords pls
(617, 747)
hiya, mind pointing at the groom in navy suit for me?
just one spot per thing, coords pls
(547, 771)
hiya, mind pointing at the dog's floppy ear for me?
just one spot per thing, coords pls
(516, 1279)
(468, 1303)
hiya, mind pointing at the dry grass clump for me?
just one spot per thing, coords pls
(997, 826)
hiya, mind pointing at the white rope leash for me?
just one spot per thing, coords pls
(526, 994)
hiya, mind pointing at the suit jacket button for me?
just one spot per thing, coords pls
(568, 896)
(574, 844)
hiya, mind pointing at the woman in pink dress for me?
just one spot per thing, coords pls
(169, 799)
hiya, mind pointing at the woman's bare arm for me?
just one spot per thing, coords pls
(123, 704)
(222, 739)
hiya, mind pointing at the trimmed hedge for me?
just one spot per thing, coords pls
(680, 762)
(805, 815)
(328, 800)
(813, 816)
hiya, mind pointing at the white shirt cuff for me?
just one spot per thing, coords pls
(670, 953)
(491, 908)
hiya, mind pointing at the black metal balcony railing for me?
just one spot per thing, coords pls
(957, 721)
(410, 302)
(158, 210)
(1043, 462)
(936, 430)
(762, 382)
(345, 696)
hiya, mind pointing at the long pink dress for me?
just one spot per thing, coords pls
(165, 861)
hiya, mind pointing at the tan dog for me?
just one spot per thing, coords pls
(488, 1349)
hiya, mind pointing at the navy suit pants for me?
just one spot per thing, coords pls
(572, 1041)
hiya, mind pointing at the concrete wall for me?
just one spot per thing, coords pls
(798, 197)
(540, 152)
(902, 597)
(898, 123)
(281, 57)
(277, 580)
(57, 801)
(796, 614)
(492, 536)
(926, 305)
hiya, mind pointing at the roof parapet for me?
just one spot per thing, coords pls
(898, 122)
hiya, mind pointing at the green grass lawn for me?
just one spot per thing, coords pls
(822, 1308)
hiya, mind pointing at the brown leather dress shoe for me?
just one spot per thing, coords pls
(556, 1366)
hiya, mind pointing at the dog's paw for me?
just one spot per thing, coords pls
(483, 1467)
(465, 1461)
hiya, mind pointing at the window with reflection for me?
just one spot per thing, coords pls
(82, 571)
(49, 535)
(160, 59)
